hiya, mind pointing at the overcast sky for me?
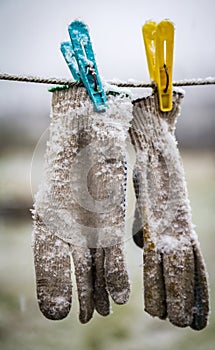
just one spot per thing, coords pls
(31, 33)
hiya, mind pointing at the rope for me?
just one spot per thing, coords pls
(31, 79)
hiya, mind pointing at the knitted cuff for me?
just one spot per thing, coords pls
(149, 123)
(73, 110)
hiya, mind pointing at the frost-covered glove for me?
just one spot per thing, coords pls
(175, 279)
(79, 208)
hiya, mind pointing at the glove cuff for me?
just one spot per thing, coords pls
(147, 116)
(67, 106)
(74, 109)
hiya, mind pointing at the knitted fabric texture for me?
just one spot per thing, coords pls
(175, 280)
(79, 208)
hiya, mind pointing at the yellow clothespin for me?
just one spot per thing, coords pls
(159, 42)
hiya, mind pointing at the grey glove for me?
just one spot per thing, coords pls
(175, 280)
(79, 208)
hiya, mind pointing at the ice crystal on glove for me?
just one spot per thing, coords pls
(80, 204)
(175, 281)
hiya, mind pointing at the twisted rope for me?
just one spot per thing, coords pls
(32, 79)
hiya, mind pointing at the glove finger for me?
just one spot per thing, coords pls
(154, 287)
(117, 278)
(100, 293)
(201, 295)
(178, 270)
(84, 279)
(53, 273)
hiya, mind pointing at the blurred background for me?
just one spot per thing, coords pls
(30, 37)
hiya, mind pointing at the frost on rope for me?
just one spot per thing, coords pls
(81, 203)
(175, 282)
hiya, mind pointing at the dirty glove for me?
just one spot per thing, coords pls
(79, 208)
(175, 281)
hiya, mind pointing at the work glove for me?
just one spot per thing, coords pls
(175, 279)
(80, 207)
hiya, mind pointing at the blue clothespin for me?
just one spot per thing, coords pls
(80, 59)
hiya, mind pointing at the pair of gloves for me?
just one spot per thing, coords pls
(80, 207)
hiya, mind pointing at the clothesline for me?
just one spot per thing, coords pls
(130, 83)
